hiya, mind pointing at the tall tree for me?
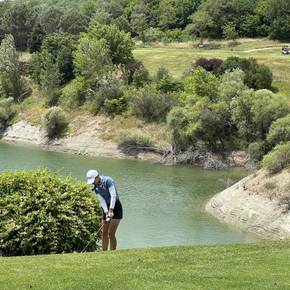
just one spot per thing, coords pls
(11, 82)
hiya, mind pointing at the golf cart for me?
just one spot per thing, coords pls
(285, 49)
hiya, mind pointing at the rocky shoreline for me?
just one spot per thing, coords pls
(259, 204)
(89, 141)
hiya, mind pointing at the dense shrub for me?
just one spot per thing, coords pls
(212, 65)
(6, 112)
(42, 213)
(73, 94)
(279, 131)
(54, 121)
(128, 71)
(256, 76)
(150, 104)
(140, 77)
(278, 158)
(60, 47)
(165, 82)
(257, 150)
(134, 140)
(105, 90)
(153, 35)
(201, 84)
(115, 106)
(175, 35)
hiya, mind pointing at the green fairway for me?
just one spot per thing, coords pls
(253, 266)
(177, 60)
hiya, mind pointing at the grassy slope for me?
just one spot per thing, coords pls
(254, 266)
(177, 59)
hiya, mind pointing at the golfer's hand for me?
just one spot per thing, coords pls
(110, 214)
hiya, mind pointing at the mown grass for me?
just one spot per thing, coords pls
(177, 60)
(254, 266)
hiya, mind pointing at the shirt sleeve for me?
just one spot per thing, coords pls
(103, 203)
(113, 194)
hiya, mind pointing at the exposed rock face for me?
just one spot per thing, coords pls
(259, 204)
(86, 140)
(24, 132)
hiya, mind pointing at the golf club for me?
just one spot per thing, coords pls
(101, 227)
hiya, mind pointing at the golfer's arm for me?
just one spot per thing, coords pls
(113, 194)
(103, 203)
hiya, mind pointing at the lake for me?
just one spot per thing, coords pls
(163, 205)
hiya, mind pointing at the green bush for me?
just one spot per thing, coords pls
(115, 106)
(73, 94)
(6, 112)
(165, 82)
(151, 105)
(42, 213)
(131, 140)
(257, 150)
(54, 121)
(256, 76)
(279, 131)
(153, 34)
(278, 158)
(140, 77)
(106, 90)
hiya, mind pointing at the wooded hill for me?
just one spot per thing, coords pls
(167, 20)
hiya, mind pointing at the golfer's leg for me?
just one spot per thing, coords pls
(105, 235)
(112, 233)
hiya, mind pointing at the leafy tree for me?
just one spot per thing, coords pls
(139, 20)
(229, 31)
(50, 79)
(92, 58)
(279, 131)
(119, 43)
(185, 8)
(256, 76)
(167, 14)
(49, 19)
(231, 85)
(11, 82)
(278, 14)
(222, 12)
(201, 84)
(18, 20)
(73, 22)
(201, 23)
(61, 47)
(242, 115)
(267, 107)
(36, 38)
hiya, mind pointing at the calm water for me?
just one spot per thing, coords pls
(163, 205)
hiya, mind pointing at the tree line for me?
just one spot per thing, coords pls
(31, 21)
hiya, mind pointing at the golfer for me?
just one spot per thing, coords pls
(106, 191)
